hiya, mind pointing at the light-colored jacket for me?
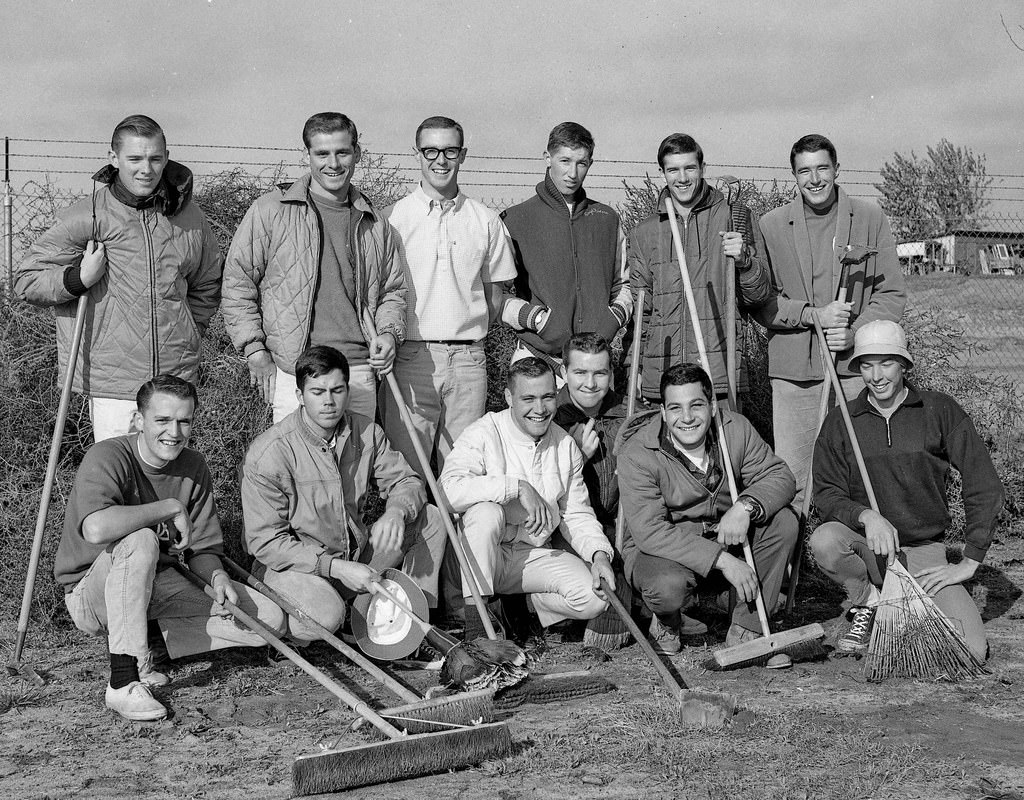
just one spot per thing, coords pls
(874, 284)
(298, 496)
(490, 458)
(273, 269)
(147, 313)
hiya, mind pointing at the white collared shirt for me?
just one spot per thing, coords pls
(452, 249)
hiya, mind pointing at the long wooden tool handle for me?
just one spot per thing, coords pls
(691, 304)
(464, 557)
(847, 419)
(51, 475)
(631, 392)
(261, 630)
(670, 682)
(295, 610)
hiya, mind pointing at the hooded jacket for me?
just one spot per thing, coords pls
(908, 458)
(569, 263)
(272, 272)
(298, 495)
(668, 510)
(668, 336)
(874, 282)
(147, 313)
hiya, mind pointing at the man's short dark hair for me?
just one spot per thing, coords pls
(440, 123)
(166, 384)
(679, 143)
(319, 360)
(136, 125)
(687, 372)
(812, 143)
(529, 367)
(571, 135)
(329, 122)
(589, 343)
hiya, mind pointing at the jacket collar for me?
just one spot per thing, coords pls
(298, 192)
(516, 435)
(170, 197)
(296, 421)
(861, 405)
(844, 227)
(548, 192)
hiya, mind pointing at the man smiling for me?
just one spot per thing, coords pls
(147, 258)
(567, 252)
(457, 255)
(517, 478)
(306, 260)
(708, 242)
(138, 499)
(811, 244)
(680, 519)
(910, 438)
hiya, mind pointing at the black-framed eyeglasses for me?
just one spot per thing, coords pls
(431, 153)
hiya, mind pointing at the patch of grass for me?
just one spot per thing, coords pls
(20, 697)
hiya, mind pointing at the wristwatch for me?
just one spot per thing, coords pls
(748, 503)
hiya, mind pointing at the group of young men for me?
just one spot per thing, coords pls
(323, 294)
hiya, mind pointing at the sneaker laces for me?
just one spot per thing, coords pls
(861, 624)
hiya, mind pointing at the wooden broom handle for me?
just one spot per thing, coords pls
(631, 390)
(691, 303)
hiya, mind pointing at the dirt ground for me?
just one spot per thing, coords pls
(818, 730)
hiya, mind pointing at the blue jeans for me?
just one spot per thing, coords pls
(795, 406)
(445, 389)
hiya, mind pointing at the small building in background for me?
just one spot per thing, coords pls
(967, 251)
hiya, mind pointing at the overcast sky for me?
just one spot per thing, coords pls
(746, 79)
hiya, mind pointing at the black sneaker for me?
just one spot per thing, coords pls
(858, 637)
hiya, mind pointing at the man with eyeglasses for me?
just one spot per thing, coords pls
(456, 256)
(568, 256)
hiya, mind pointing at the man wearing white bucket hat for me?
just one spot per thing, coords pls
(910, 438)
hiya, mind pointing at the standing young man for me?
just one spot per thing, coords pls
(306, 260)
(516, 478)
(148, 260)
(568, 257)
(456, 255)
(681, 520)
(819, 243)
(137, 501)
(705, 225)
(304, 489)
(910, 438)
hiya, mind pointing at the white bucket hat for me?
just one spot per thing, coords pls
(881, 337)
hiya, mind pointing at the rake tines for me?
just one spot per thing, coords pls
(912, 638)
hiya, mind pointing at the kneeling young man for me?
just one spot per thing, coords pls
(680, 519)
(910, 439)
(304, 490)
(138, 499)
(517, 478)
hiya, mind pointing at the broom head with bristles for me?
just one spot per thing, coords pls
(800, 644)
(912, 638)
(481, 663)
(399, 759)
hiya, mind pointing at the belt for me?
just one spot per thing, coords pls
(451, 342)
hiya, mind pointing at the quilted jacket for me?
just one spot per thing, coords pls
(668, 337)
(147, 313)
(273, 269)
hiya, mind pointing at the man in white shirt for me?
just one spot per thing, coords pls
(456, 254)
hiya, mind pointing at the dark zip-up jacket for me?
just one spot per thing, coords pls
(569, 263)
(667, 330)
(147, 313)
(668, 510)
(908, 458)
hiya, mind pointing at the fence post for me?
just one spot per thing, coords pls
(8, 218)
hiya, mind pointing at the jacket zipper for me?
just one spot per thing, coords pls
(153, 340)
(576, 274)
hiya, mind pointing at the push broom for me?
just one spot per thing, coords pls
(774, 650)
(417, 714)
(401, 755)
(911, 637)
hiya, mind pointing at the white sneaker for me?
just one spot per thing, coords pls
(135, 702)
